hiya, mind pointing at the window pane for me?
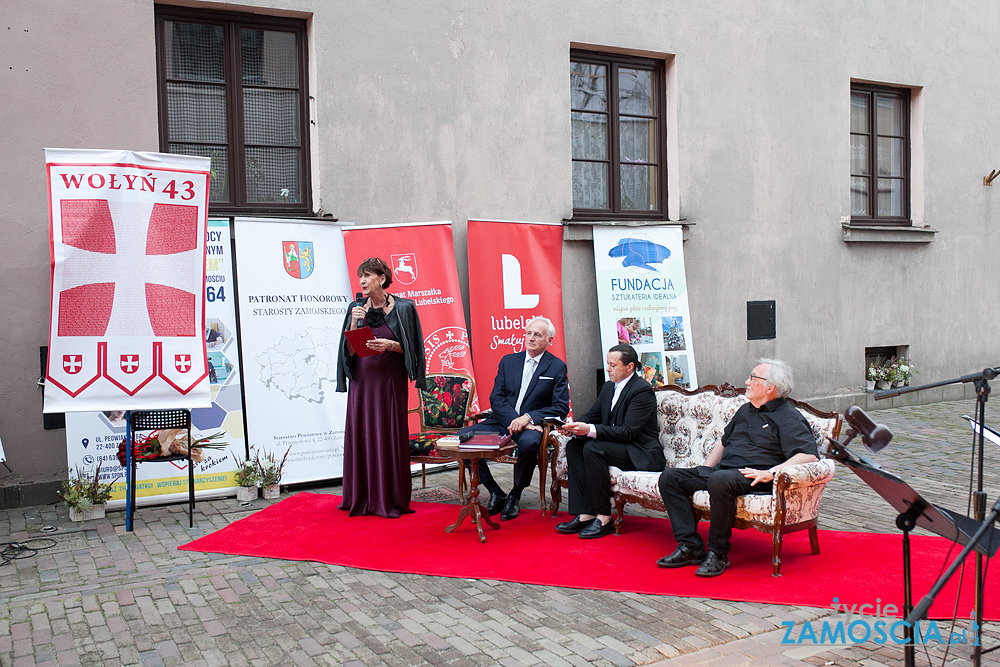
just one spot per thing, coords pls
(218, 189)
(590, 136)
(637, 140)
(196, 112)
(269, 58)
(859, 196)
(588, 87)
(193, 51)
(890, 197)
(590, 185)
(271, 116)
(859, 154)
(636, 94)
(638, 188)
(890, 157)
(273, 175)
(859, 113)
(889, 115)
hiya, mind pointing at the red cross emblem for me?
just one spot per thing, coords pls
(115, 268)
(72, 363)
(130, 363)
(182, 362)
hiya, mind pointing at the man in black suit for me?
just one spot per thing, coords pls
(619, 430)
(529, 387)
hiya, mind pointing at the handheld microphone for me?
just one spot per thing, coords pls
(875, 436)
(462, 437)
(359, 299)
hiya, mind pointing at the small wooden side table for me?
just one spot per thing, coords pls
(473, 509)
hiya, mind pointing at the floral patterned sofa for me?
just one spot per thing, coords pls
(691, 422)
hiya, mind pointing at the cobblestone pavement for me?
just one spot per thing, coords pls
(101, 596)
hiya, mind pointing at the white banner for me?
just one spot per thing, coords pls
(295, 290)
(93, 437)
(127, 238)
(642, 300)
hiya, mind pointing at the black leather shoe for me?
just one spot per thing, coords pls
(497, 500)
(511, 508)
(574, 526)
(597, 529)
(713, 566)
(684, 555)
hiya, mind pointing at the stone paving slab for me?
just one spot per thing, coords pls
(101, 596)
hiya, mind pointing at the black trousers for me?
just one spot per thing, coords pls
(589, 478)
(677, 485)
(528, 443)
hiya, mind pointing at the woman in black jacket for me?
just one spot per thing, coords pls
(376, 448)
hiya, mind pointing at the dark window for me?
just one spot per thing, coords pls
(617, 105)
(880, 155)
(232, 87)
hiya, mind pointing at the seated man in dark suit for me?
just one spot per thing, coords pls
(529, 387)
(619, 430)
(764, 436)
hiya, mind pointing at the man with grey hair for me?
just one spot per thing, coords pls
(765, 435)
(529, 387)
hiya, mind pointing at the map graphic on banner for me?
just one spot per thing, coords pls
(127, 236)
(294, 294)
(515, 273)
(422, 259)
(642, 300)
(93, 437)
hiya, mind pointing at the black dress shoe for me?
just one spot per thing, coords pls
(713, 566)
(574, 526)
(511, 508)
(597, 529)
(684, 555)
(496, 503)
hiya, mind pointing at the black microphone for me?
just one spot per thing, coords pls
(875, 436)
(462, 437)
(359, 299)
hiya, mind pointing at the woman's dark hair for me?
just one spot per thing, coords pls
(628, 354)
(377, 266)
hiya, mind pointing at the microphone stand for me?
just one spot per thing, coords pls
(982, 383)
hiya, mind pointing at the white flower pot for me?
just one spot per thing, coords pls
(897, 383)
(870, 385)
(92, 512)
(246, 494)
(882, 385)
(272, 492)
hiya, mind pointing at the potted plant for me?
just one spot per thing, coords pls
(247, 477)
(86, 495)
(872, 374)
(905, 371)
(269, 468)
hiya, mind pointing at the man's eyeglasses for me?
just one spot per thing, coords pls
(757, 377)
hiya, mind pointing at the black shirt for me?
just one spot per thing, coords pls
(767, 436)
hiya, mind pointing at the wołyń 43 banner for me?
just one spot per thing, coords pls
(127, 241)
(422, 259)
(515, 273)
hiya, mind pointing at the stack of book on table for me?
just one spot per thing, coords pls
(477, 441)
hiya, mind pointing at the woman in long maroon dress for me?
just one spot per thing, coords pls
(376, 447)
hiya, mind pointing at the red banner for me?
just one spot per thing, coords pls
(422, 259)
(515, 273)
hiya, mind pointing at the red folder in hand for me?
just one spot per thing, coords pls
(358, 339)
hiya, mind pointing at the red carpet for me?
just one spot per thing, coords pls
(857, 568)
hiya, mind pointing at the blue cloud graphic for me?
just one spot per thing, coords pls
(636, 252)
